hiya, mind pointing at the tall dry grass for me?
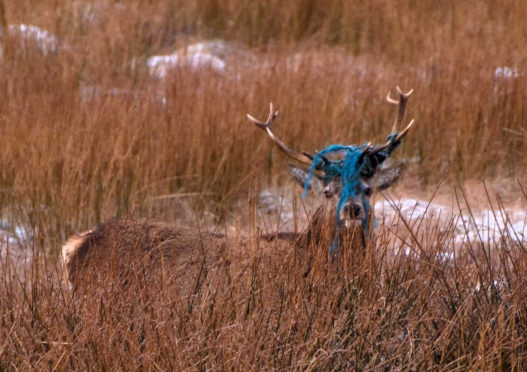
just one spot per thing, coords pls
(84, 136)
(69, 160)
(415, 308)
(58, 167)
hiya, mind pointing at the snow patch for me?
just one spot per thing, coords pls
(409, 209)
(271, 203)
(505, 72)
(29, 34)
(195, 56)
(482, 225)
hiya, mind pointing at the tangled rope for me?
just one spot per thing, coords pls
(354, 165)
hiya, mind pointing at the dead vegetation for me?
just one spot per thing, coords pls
(86, 134)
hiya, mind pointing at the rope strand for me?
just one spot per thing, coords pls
(349, 170)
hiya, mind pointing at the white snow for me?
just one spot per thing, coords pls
(271, 203)
(505, 72)
(196, 56)
(483, 225)
(409, 208)
(44, 40)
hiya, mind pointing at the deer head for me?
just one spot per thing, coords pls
(346, 175)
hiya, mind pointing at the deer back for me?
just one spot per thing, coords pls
(119, 245)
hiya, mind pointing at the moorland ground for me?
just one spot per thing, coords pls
(89, 130)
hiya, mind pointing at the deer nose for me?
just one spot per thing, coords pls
(352, 210)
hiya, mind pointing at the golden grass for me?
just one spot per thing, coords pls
(265, 310)
(70, 159)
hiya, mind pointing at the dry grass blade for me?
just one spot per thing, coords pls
(115, 108)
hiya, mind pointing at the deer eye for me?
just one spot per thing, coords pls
(367, 190)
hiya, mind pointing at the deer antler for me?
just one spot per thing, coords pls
(403, 98)
(267, 126)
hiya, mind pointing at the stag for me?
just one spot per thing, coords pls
(346, 184)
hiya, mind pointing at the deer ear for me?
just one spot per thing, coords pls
(387, 174)
(300, 175)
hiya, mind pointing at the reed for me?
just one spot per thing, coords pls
(86, 134)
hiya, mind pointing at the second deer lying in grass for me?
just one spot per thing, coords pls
(126, 245)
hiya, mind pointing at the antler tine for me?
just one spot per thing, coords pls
(364, 151)
(399, 137)
(403, 97)
(267, 126)
(389, 99)
(405, 131)
(270, 118)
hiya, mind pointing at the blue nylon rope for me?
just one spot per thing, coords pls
(349, 170)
